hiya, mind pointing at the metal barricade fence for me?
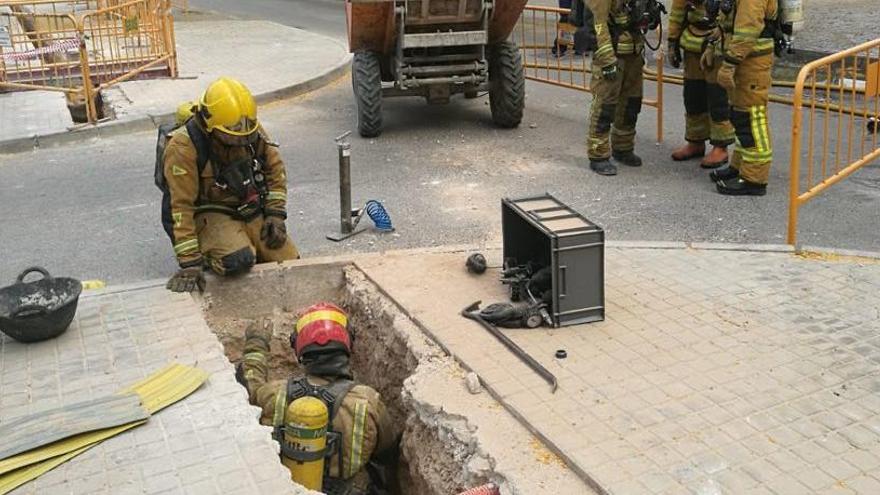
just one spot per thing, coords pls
(128, 40)
(40, 46)
(80, 47)
(536, 34)
(832, 135)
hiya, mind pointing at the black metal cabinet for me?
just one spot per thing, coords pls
(545, 231)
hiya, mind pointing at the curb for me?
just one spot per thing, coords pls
(150, 122)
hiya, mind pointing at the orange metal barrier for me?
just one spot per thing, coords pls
(833, 138)
(82, 47)
(536, 34)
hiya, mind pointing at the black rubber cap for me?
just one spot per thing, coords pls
(561, 354)
(476, 263)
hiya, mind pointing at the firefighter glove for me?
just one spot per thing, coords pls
(274, 232)
(725, 77)
(187, 280)
(258, 332)
(707, 60)
(609, 72)
(675, 56)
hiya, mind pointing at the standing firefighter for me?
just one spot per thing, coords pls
(352, 428)
(224, 187)
(617, 80)
(694, 30)
(745, 74)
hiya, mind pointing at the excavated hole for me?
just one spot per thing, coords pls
(431, 457)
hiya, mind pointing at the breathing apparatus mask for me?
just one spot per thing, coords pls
(243, 177)
(645, 14)
(713, 8)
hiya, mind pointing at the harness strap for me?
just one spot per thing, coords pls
(204, 154)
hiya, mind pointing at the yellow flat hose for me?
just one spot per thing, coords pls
(158, 391)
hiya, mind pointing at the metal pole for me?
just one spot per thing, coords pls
(344, 149)
(659, 61)
(471, 312)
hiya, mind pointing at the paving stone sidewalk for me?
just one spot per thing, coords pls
(714, 372)
(272, 60)
(211, 442)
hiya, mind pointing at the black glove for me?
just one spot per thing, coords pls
(187, 280)
(274, 232)
(675, 55)
(584, 40)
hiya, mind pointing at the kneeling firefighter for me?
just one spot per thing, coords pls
(224, 201)
(332, 431)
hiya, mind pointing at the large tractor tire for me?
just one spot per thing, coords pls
(507, 85)
(366, 80)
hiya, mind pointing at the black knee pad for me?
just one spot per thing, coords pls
(719, 106)
(695, 97)
(633, 107)
(742, 123)
(606, 118)
(239, 261)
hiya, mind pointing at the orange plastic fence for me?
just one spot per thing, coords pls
(831, 135)
(82, 47)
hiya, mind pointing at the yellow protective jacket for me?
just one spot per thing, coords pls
(190, 192)
(749, 34)
(613, 36)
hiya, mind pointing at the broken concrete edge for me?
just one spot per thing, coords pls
(151, 122)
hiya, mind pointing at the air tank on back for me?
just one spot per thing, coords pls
(791, 17)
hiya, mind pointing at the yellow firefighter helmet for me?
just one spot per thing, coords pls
(184, 111)
(228, 107)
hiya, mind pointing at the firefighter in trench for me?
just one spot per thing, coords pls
(224, 189)
(694, 32)
(357, 415)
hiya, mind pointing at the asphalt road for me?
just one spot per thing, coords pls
(90, 210)
(325, 17)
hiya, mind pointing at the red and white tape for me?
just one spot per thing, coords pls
(61, 46)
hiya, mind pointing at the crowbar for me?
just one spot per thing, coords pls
(470, 313)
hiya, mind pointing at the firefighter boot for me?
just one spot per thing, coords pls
(726, 173)
(603, 167)
(740, 187)
(689, 151)
(627, 158)
(716, 158)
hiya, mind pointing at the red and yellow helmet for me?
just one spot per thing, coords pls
(321, 324)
